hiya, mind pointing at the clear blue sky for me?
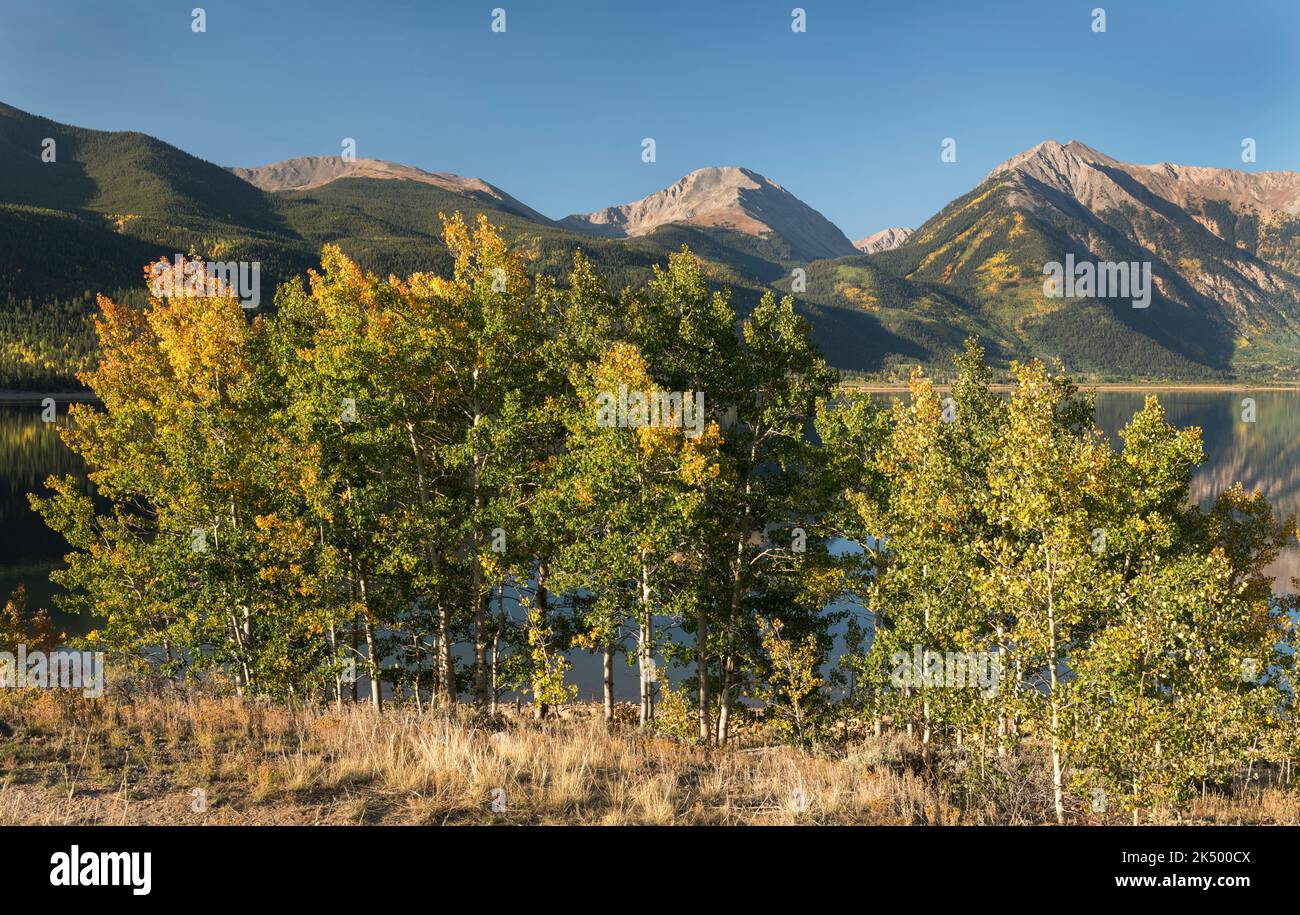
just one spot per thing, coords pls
(848, 116)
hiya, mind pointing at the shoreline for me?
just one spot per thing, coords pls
(38, 396)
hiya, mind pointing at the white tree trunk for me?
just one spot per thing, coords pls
(645, 637)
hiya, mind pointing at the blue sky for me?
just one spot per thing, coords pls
(849, 116)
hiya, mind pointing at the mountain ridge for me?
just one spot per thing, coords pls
(1279, 190)
(884, 240)
(303, 173)
(724, 197)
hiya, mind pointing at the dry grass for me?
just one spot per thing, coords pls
(143, 760)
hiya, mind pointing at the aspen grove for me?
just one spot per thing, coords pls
(403, 490)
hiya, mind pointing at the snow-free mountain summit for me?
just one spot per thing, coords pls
(726, 197)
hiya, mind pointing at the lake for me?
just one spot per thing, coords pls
(30, 451)
(1263, 454)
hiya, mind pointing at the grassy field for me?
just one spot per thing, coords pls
(195, 759)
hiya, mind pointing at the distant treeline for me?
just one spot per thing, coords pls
(45, 343)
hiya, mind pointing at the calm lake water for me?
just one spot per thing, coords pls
(1263, 455)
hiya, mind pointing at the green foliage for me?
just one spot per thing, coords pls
(1121, 616)
(21, 625)
(352, 482)
(792, 684)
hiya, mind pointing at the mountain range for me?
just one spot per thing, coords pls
(1223, 245)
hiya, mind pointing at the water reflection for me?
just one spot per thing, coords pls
(1262, 455)
(30, 450)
